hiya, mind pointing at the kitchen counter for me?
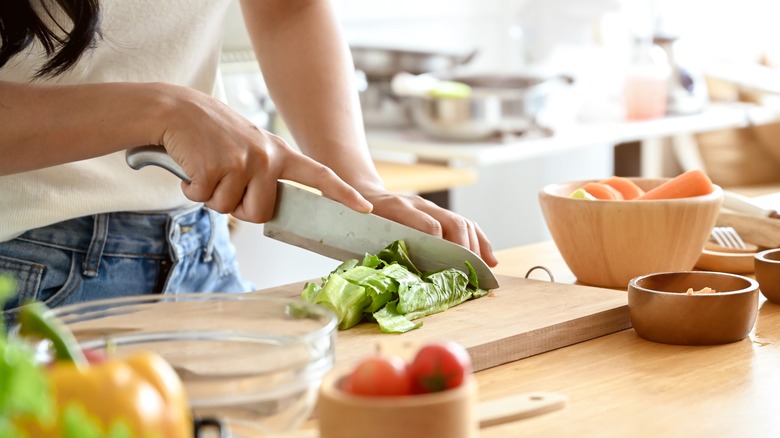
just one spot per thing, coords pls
(577, 135)
(422, 177)
(621, 385)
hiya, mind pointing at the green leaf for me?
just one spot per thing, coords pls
(391, 321)
(347, 300)
(389, 289)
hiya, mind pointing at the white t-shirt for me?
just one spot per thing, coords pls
(173, 41)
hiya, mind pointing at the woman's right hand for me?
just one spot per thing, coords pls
(233, 164)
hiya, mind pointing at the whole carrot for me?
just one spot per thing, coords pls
(688, 184)
(625, 186)
(602, 191)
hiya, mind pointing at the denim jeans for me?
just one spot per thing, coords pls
(122, 254)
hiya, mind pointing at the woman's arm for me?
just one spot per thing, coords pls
(309, 71)
(46, 125)
(233, 164)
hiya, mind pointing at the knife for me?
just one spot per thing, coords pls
(315, 223)
(743, 204)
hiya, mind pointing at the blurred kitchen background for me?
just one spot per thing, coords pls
(571, 89)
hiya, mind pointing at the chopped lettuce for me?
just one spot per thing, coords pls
(388, 288)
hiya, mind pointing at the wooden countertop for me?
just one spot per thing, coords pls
(422, 177)
(621, 385)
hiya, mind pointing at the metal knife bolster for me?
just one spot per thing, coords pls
(327, 227)
(142, 156)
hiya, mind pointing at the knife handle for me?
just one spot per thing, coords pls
(155, 155)
(743, 204)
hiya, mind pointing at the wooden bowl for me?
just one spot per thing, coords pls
(767, 266)
(720, 259)
(447, 414)
(661, 311)
(607, 243)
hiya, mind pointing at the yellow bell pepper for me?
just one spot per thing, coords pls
(138, 396)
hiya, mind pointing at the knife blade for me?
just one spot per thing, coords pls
(327, 227)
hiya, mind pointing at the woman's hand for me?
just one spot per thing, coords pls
(234, 165)
(424, 215)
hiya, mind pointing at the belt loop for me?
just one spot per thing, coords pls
(209, 253)
(99, 234)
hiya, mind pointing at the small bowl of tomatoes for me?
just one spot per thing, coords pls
(433, 393)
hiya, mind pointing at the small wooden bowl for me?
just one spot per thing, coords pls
(767, 265)
(607, 243)
(661, 311)
(447, 414)
(720, 259)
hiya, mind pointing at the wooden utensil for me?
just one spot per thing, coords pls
(607, 243)
(489, 413)
(763, 231)
(721, 259)
(448, 414)
(662, 311)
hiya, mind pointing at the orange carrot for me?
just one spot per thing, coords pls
(685, 185)
(602, 191)
(625, 186)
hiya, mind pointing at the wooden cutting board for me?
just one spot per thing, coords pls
(520, 319)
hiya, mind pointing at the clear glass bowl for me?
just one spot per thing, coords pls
(251, 361)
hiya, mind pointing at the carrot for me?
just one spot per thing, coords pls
(625, 186)
(602, 191)
(685, 185)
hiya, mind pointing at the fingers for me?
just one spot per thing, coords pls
(245, 185)
(428, 217)
(305, 170)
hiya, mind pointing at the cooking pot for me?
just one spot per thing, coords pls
(498, 104)
(376, 66)
(380, 64)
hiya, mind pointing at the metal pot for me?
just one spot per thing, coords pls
(376, 66)
(383, 63)
(499, 104)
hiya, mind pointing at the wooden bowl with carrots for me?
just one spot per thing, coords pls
(610, 231)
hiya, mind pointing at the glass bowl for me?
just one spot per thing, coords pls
(253, 362)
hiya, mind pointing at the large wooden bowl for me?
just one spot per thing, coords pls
(662, 311)
(607, 243)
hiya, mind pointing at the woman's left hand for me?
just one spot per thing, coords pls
(423, 215)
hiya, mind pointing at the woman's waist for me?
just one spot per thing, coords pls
(126, 233)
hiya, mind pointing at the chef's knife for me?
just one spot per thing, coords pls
(316, 223)
(743, 204)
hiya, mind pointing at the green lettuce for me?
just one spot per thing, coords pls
(388, 288)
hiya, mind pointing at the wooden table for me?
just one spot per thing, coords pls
(422, 177)
(623, 386)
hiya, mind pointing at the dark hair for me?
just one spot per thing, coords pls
(20, 25)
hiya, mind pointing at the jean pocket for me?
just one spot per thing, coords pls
(35, 281)
(27, 278)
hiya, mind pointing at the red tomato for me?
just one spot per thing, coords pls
(438, 367)
(95, 356)
(379, 376)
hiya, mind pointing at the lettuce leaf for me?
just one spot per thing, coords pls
(388, 288)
